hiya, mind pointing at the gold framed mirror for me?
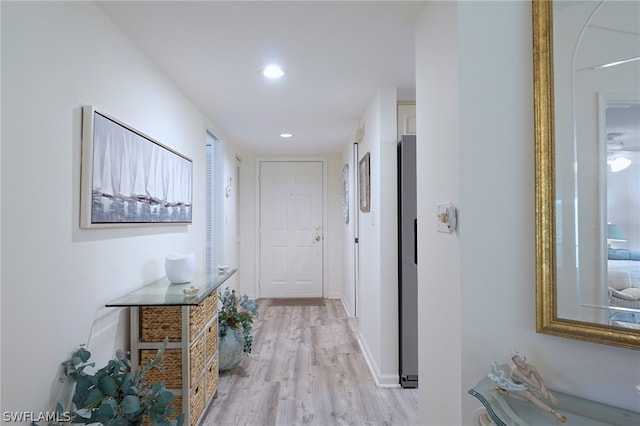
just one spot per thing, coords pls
(573, 304)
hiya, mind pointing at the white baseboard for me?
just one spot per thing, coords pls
(382, 380)
(332, 295)
(346, 308)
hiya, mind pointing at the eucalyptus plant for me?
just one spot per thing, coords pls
(116, 395)
(237, 314)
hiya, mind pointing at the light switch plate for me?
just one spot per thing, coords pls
(446, 217)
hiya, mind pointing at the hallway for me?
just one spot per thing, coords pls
(306, 368)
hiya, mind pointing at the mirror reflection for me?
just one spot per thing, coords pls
(622, 147)
(597, 161)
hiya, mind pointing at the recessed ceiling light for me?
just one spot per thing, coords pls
(273, 71)
(286, 135)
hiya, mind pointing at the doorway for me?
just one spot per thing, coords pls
(291, 228)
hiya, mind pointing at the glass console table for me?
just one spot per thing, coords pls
(507, 410)
(164, 293)
(187, 316)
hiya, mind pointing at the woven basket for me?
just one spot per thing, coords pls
(197, 403)
(171, 371)
(196, 359)
(212, 378)
(158, 322)
(196, 320)
(211, 334)
(210, 306)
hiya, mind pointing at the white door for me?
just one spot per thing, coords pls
(291, 234)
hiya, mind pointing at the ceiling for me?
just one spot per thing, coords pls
(336, 55)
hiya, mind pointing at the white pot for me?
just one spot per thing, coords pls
(231, 350)
(179, 267)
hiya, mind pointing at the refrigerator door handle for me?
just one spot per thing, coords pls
(415, 241)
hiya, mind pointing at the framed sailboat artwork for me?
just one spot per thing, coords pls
(130, 179)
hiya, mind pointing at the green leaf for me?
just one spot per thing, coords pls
(126, 386)
(120, 354)
(94, 396)
(83, 413)
(92, 380)
(106, 411)
(134, 390)
(108, 386)
(82, 391)
(119, 421)
(180, 420)
(130, 404)
(83, 354)
(111, 368)
(126, 363)
(166, 397)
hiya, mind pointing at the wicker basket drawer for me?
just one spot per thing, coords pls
(212, 378)
(158, 322)
(171, 371)
(197, 320)
(211, 335)
(210, 306)
(196, 359)
(197, 402)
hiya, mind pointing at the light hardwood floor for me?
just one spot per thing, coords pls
(306, 368)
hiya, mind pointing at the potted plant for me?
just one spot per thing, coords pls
(235, 328)
(116, 395)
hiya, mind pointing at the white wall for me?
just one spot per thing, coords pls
(248, 211)
(477, 286)
(348, 228)
(438, 180)
(57, 277)
(230, 215)
(378, 267)
(334, 236)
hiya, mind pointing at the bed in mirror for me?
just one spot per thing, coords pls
(587, 127)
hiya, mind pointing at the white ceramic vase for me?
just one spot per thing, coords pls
(231, 350)
(179, 267)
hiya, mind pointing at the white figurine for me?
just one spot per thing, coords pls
(524, 381)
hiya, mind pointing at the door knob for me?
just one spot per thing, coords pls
(317, 237)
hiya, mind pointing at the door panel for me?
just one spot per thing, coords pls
(291, 238)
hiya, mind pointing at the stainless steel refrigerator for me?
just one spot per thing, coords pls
(408, 261)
